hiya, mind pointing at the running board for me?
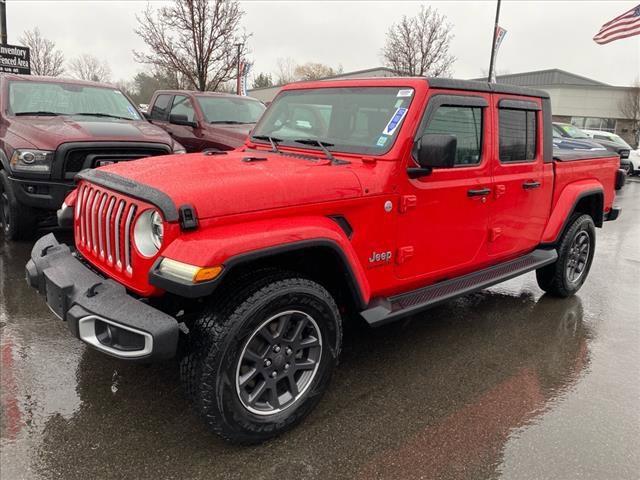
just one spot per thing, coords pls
(385, 310)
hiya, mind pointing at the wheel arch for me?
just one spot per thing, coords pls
(574, 199)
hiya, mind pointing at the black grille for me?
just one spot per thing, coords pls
(78, 159)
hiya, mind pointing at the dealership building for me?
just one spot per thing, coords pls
(575, 99)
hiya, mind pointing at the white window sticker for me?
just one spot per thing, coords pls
(405, 93)
(395, 121)
(382, 141)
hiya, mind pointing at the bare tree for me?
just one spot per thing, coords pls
(285, 71)
(315, 71)
(630, 108)
(197, 38)
(88, 67)
(46, 59)
(289, 71)
(420, 45)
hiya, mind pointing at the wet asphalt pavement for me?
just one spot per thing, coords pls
(505, 383)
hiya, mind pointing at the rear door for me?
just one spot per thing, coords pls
(522, 186)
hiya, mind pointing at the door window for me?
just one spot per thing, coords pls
(183, 106)
(466, 124)
(517, 135)
(160, 108)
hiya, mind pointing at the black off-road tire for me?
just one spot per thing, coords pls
(216, 342)
(555, 278)
(18, 222)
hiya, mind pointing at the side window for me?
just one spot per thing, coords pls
(517, 135)
(160, 108)
(466, 124)
(183, 106)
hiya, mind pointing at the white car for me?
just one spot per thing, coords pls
(615, 143)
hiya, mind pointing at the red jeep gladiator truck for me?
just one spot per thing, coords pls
(377, 197)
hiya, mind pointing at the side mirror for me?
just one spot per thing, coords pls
(433, 150)
(178, 119)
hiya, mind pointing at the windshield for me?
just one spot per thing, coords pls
(618, 139)
(364, 120)
(68, 99)
(230, 109)
(572, 132)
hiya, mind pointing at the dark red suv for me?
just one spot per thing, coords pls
(51, 129)
(205, 120)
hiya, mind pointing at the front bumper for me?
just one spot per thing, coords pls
(42, 194)
(97, 310)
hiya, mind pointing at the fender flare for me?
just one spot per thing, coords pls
(566, 205)
(236, 244)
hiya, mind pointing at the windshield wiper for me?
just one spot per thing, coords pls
(230, 122)
(42, 113)
(272, 140)
(322, 145)
(104, 115)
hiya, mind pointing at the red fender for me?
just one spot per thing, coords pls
(565, 204)
(222, 245)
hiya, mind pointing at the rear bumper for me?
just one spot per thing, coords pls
(612, 214)
(99, 311)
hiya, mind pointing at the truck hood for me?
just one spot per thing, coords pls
(48, 133)
(242, 182)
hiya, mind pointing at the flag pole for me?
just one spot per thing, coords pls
(493, 43)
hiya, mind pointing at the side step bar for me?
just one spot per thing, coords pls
(385, 310)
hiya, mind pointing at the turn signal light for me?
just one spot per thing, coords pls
(187, 273)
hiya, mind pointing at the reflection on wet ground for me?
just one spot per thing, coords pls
(503, 383)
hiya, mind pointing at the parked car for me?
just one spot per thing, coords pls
(205, 120)
(575, 134)
(615, 143)
(634, 162)
(252, 258)
(54, 128)
(562, 141)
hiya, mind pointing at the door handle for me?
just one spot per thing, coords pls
(481, 192)
(530, 185)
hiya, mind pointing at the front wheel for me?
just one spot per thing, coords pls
(575, 254)
(18, 222)
(261, 361)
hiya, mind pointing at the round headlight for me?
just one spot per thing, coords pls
(148, 233)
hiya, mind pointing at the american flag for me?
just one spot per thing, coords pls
(623, 26)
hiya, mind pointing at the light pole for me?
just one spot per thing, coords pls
(238, 46)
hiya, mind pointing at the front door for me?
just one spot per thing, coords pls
(443, 220)
(522, 182)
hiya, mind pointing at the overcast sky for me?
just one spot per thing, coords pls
(540, 35)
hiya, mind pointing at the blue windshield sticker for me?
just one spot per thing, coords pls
(395, 121)
(382, 141)
(132, 111)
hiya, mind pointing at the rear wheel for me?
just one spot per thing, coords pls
(260, 362)
(575, 254)
(18, 221)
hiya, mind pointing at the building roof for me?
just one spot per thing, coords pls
(541, 78)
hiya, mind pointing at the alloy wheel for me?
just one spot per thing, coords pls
(278, 362)
(578, 256)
